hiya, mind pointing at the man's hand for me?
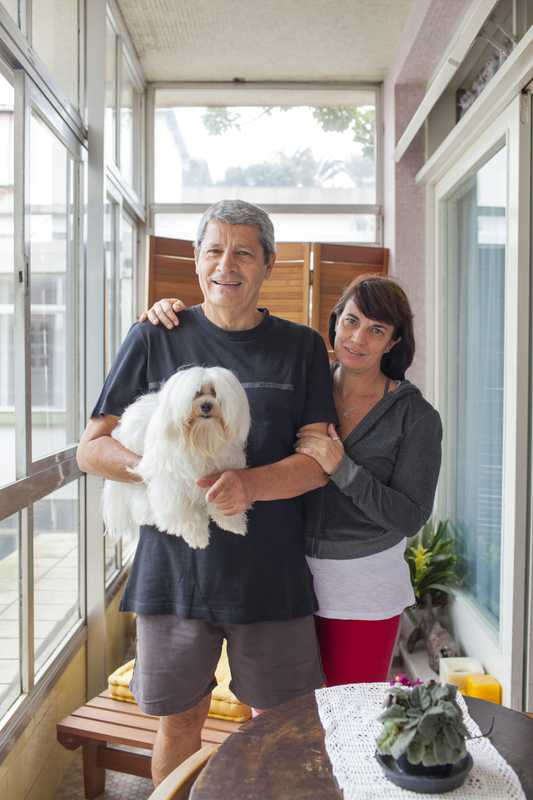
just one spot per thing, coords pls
(164, 311)
(327, 450)
(229, 491)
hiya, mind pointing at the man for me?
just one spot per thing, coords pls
(255, 591)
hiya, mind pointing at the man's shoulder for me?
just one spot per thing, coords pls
(188, 318)
(294, 329)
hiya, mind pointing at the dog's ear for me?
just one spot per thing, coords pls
(233, 402)
(174, 403)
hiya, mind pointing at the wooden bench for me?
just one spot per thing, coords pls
(103, 723)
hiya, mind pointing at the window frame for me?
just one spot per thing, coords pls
(20, 54)
(119, 208)
(500, 648)
(36, 479)
(270, 92)
(135, 191)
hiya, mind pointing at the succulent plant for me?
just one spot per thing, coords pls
(424, 723)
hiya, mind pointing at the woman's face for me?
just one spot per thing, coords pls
(360, 342)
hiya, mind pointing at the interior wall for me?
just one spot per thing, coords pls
(428, 32)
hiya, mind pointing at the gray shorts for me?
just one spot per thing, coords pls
(270, 662)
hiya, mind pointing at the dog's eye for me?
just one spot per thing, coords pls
(213, 393)
(198, 394)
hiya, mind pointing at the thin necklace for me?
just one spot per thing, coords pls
(349, 411)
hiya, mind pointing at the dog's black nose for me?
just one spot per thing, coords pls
(206, 408)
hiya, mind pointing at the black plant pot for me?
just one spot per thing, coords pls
(427, 780)
(436, 771)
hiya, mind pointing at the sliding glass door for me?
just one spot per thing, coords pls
(482, 319)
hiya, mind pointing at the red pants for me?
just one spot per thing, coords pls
(355, 650)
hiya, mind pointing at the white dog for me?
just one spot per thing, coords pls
(195, 425)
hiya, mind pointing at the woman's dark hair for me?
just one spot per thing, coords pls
(382, 299)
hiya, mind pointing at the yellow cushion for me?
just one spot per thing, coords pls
(224, 704)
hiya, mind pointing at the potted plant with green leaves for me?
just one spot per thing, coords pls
(422, 744)
(435, 571)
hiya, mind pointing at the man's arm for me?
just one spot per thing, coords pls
(234, 491)
(99, 454)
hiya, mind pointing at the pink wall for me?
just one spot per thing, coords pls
(429, 29)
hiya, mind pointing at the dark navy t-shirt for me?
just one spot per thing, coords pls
(237, 579)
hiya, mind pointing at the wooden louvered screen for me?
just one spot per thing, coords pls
(287, 293)
(335, 266)
(171, 271)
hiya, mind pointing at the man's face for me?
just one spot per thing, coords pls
(230, 265)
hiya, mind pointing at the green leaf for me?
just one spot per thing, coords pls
(415, 751)
(402, 743)
(395, 713)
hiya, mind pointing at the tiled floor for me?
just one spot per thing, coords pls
(118, 785)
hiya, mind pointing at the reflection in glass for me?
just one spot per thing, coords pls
(127, 108)
(7, 287)
(127, 250)
(52, 345)
(56, 529)
(10, 618)
(111, 547)
(298, 154)
(110, 92)
(54, 27)
(110, 212)
(343, 228)
(476, 225)
(11, 6)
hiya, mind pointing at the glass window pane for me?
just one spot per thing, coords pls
(109, 286)
(52, 311)
(10, 618)
(110, 93)
(56, 528)
(11, 6)
(111, 558)
(127, 122)
(55, 39)
(476, 225)
(127, 254)
(352, 228)
(298, 154)
(7, 286)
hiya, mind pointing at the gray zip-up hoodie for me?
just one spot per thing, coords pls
(385, 485)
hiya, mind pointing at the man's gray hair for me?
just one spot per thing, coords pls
(238, 212)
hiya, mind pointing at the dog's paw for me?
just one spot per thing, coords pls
(235, 524)
(196, 540)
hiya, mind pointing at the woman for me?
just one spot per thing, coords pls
(383, 462)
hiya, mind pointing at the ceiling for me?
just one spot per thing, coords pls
(261, 40)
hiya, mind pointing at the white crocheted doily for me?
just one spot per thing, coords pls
(349, 717)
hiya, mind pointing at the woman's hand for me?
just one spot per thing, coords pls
(164, 311)
(326, 450)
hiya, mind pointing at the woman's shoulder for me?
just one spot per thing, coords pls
(414, 406)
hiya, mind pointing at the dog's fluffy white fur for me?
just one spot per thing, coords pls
(195, 425)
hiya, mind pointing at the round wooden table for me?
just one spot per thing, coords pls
(280, 755)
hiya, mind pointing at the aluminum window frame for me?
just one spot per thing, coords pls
(37, 479)
(134, 192)
(17, 52)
